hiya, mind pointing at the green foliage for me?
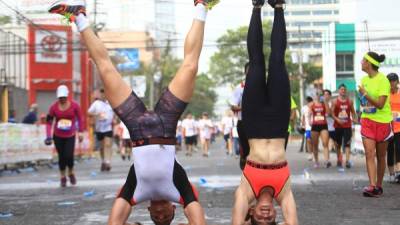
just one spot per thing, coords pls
(204, 96)
(5, 20)
(227, 64)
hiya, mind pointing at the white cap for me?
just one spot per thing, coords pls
(62, 91)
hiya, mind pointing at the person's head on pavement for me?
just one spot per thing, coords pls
(263, 212)
(162, 212)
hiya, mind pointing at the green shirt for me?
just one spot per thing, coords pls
(376, 87)
(293, 105)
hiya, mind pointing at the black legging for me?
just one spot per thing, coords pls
(393, 154)
(65, 149)
(266, 104)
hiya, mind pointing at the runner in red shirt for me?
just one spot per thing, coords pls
(67, 115)
(343, 113)
(319, 128)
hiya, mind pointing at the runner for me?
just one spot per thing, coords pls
(375, 121)
(306, 125)
(319, 128)
(126, 143)
(393, 157)
(330, 121)
(227, 123)
(189, 132)
(236, 107)
(343, 112)
(206, 128)
(155, 175)
(67, 114)
(101, 111)
(266, 113)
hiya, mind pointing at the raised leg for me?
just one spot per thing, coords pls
(182, 85)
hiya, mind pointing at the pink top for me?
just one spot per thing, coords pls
(65, 125)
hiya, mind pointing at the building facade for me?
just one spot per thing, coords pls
(306, 20)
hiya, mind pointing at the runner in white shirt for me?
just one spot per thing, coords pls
(126, 143)
(306, 125)
(227, 123)
(179, 136)
(189, 133)
(103, 115)
(235, 137)
(236, 106)
(205, 130)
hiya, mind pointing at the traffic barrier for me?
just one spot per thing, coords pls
(25, 143)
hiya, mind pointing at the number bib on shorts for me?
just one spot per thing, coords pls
(64, 124)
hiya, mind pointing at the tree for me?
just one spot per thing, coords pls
(204, 96)
(5, 20)
(227, 64)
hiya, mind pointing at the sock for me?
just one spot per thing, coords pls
(82, 22)
(200, 12)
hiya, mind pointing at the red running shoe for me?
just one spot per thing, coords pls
(370, 191)
(72, 179)
(63, 182)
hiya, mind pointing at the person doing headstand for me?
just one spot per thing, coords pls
(155, 175)
(266, 112)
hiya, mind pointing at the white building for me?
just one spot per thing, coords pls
(306, 20)
(364, 26)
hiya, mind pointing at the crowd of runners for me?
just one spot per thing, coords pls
(255, 127)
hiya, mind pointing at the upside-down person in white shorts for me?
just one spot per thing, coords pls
(155, 175)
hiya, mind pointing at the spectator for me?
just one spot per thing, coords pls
(31, 117)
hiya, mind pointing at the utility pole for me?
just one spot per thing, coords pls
(301, 77)
(95, 13)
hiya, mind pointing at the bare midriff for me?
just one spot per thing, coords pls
(267, 151)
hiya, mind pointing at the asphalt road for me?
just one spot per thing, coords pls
(324, 196)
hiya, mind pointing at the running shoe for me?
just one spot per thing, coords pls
(370, 191)
(348, 164)
(258, 3)
(378, 191)
(316, 165)
(209, 4)
(68, 8)
(63, 182)
(397, 179)
(72, 179)
(273, 3)
(328, 164)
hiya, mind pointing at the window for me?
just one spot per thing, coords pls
(345, 65)
(301, 24)
(321, 24)
(322, 12)
(317, 45)
(301, 13)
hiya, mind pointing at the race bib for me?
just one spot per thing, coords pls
(319, 117)
(343, 116)
(368, 108)
(64, 124)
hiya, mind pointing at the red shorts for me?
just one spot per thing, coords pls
(376, 131)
